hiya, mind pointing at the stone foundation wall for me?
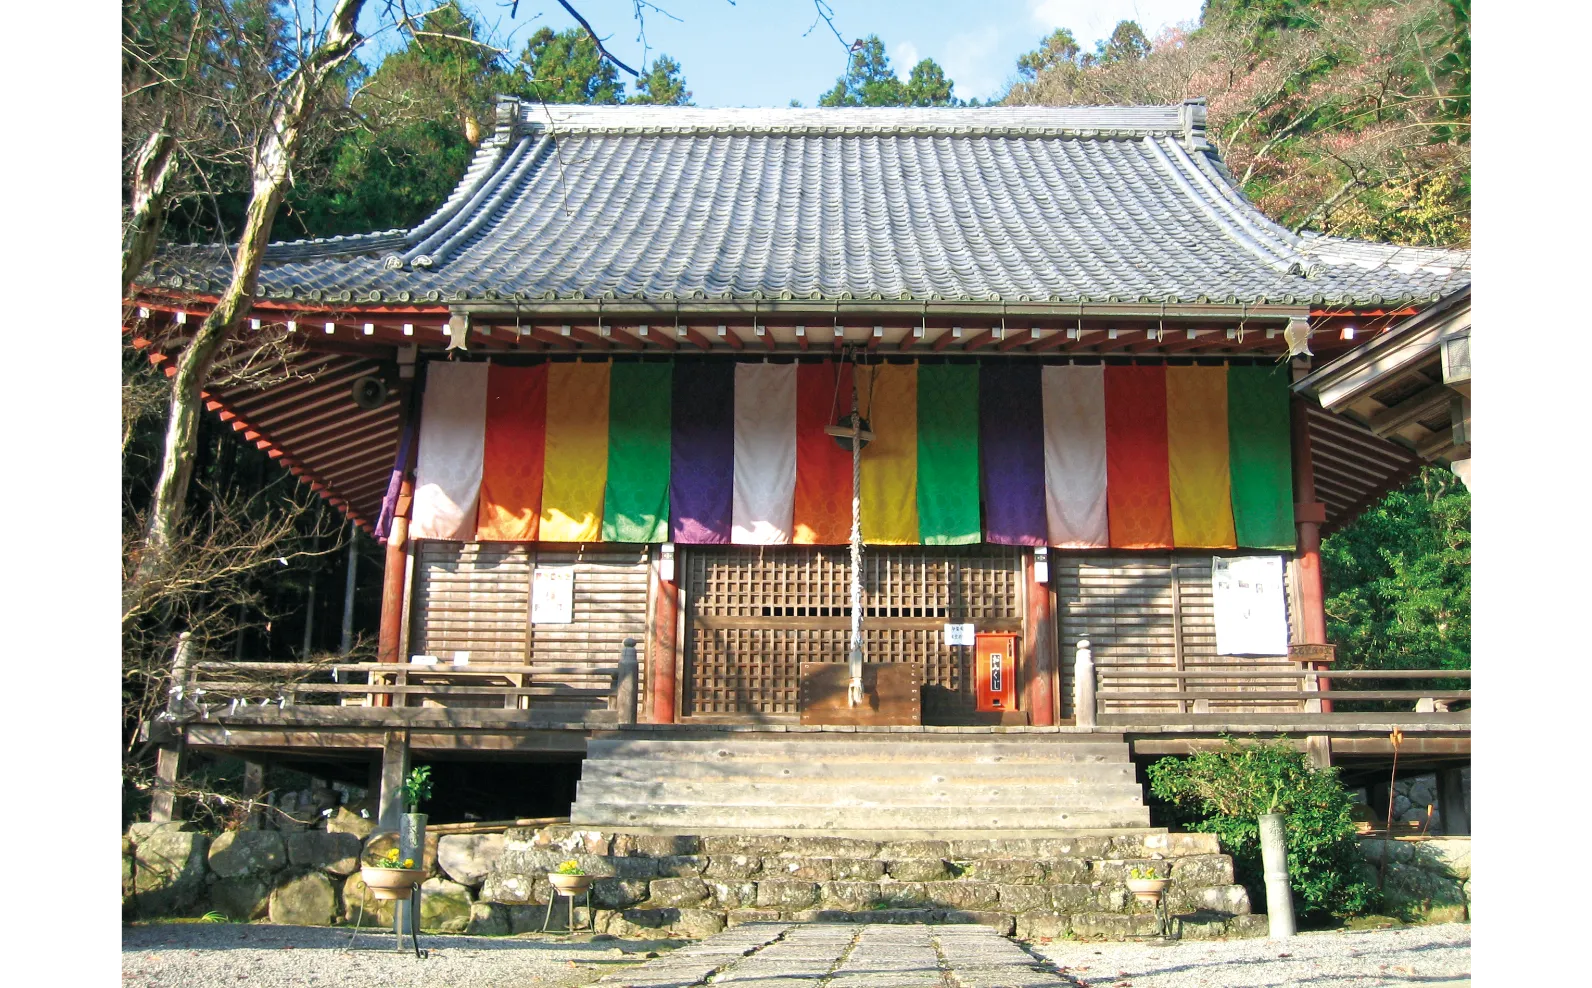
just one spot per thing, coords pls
(662, 886)
(1425, 879)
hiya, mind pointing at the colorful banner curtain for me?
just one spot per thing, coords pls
(636, 496)
(576, 462)
(712, 452)
(1197, 464)
(702, 453)
(1075, 456)
(822, 502)
(452, 441)
(1012, 437)
(764, 495)
(1260, 457)
(888, 398)
(511, 463)
(1138, 494)
(948, 452)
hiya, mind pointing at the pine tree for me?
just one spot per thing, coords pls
(662, 84)
(566, 67)
(869, 79)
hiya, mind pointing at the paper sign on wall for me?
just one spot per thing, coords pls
(1251, 613)
(959, 634)
(553, 595)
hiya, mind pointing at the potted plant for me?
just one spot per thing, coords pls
(569, 878)
(1146, 886)
(390, 875)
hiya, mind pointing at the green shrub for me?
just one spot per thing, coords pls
(1231, 787)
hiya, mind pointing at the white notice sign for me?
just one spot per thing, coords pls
(959, 634)
(553, 595)
(1251, 614)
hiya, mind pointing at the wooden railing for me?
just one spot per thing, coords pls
(1236, 686)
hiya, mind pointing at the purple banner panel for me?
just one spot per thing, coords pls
(702, 462)
(1011, 435)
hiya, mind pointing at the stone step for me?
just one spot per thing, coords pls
(804, 818)
(968, 792)
(924, 772)
(914, 751)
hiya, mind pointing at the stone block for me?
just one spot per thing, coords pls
(1116, 871)
(1086, 846)
(140, 832)
(682, 865)
(1203, 869)
(469, 858)
(1066, 871)
(963, 895)
(331, 852)
(169, 870)
(1112, 926)
(733, 895)
(903, 895)
(697, 923)
(1001, 923)
(829, 847)
(307, 899)
(1230, 899)
(735, 917)
(1008, 871)
(1023, 898)
(786, 894)
(1073, 898)
(247, 852)
(1041, 925)
(750, 845)
(1200, 926)
(677, 892)
(617, 893)
(568, 840)
(345, 821)
(804, 869)
(509, 889)
(1250, 925)
(656, 846)
(850, 896)
(918, 869)
(242, 899)
(528, 919)
(445, 907)
(488, 919)
(733, 866)
(905, 917)
(632, 867)
(858, 869)
(1127, 846)
(378, 913)
(901, 850)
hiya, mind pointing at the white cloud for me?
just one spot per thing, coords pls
(904, 55)
(970, 62)
(1091, 20)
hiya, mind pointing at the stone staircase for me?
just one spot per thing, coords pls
(859, 782)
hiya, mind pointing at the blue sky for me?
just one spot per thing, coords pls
(761, 52)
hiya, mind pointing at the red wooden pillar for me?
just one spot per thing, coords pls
(1039, 649)
(661, 645)
(396, 564)
(1309, 514)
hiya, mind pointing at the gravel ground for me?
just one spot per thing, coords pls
(212, 955)
(1419, 955)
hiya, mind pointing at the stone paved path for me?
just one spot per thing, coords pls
(786, 955)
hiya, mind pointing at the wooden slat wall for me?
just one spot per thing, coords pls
(1148, 612)
(476, 597)
(610, 606)
(753, 616)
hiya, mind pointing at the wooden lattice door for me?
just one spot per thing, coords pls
(754, 615)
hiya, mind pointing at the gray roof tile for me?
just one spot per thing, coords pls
(1007, 203)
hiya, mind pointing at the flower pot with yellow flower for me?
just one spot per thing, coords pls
(391, 875)
(569, 878)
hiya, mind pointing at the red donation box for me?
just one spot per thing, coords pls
(995, 677)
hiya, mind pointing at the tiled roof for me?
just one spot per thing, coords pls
(1016, 204)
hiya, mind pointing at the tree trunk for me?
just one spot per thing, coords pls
(152, 172)
(272, 166)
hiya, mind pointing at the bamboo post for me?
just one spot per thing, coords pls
(346, 645)
(625, 683)
(1274, 864)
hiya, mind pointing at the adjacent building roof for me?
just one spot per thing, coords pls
(1011, 204)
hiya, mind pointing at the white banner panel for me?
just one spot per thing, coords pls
(1251, 610)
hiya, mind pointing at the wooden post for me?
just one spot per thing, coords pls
(662, 645)
(1083, 686)
(1039, 650)
(625, 683)
(168, 758)
(309, 618)
(1451, 802)
(253, 785)
(394, 766)
(346, 645)
(395, 567)
(1308, 517)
